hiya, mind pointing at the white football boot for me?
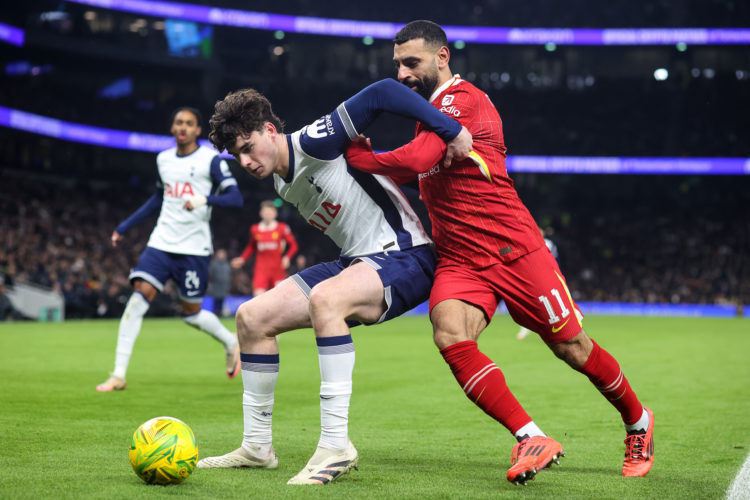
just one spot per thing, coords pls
(241, 458)
(327, 465)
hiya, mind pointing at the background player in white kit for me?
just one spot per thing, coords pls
(192, 178)
(385, 268)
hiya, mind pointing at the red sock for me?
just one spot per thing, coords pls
(605, 373)
(484, 384)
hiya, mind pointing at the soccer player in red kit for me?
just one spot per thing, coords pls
(275, 246)
(490, 249)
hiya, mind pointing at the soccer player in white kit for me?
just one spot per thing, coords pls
(385, 269)
(192, 179)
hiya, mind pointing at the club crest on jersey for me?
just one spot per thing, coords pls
(321, 128)
(178, 190)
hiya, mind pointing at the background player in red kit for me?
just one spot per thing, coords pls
(490, 249)
(274, 245)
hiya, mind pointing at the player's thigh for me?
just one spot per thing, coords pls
(538, 298)
(355, 293)
(281, 309)
(455, 321)
(462, 302)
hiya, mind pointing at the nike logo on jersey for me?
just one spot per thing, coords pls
(557, 329)
(192, 293)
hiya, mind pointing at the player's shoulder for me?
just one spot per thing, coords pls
(167, 154)
(464, 89)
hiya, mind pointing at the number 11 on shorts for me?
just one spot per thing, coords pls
(553, 317)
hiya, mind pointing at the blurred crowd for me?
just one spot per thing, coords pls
(630, 239)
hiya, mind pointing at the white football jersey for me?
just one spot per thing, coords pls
(201, 172)
(362, 213)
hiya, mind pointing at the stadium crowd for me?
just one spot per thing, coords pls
(682, 242)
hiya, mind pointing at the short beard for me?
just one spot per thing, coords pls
(427, 86)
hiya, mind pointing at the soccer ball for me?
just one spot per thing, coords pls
(163, 451)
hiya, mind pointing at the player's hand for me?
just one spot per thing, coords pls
(364, 140)
(459, 148)
(285, 262)
(195, 201)
(238, 262)
(115, 238)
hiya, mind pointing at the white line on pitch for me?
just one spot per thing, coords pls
(740, 487)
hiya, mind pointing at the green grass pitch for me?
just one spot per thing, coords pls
(418, 436)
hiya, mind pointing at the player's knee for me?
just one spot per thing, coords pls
(444, 337)
(249, 323)
(323, 304)
(575, 352)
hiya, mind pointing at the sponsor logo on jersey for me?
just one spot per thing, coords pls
(451, 110)
(321, 128)
(267, 245)
(179, 190)
(325, 215)
(434, 170)
(447, 100)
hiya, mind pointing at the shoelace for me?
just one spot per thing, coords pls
(634, 446)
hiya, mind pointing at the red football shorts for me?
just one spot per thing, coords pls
(532, 286)
(268, 278)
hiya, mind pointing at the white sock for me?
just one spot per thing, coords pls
(210, 323)
(130, 327)
(640, 425)
(530, 430)
(259, 375)
(336, 357)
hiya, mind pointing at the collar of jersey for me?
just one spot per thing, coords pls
(290, 175)
(185, 156)
(456, 78)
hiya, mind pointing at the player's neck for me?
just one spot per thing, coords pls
(282, 168)
(268, 225)
(186, 149)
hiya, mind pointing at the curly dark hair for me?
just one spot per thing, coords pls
(240, 113)
(432, 33)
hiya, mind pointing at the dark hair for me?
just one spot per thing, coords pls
(429, 31)
(239, 113)
(198, 115)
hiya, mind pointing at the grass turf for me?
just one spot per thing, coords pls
(418, 436)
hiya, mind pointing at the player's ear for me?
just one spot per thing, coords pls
(270, 128)
(443, 57)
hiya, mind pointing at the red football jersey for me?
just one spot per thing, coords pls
(267, 243)
(477, 217)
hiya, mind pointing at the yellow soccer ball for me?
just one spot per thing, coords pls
(163, 451)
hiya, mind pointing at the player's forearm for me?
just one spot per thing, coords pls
(248, 251)
(393, 97)
(416, 157)
(231, 197)
(151, 206)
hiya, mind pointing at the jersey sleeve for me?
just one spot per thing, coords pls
(221, 175)
(416, 157)
(327, 137)
(291, 242)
